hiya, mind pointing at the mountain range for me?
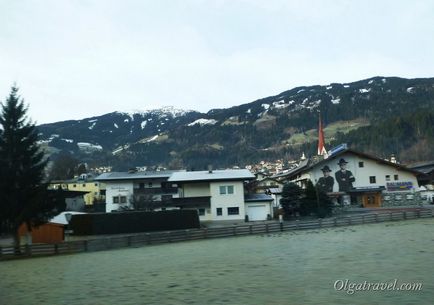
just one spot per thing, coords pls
(380, 115)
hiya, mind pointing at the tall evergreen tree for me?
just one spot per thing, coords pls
(22, 163)
(291, 198)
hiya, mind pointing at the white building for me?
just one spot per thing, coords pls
(122, 188)
(218, 194)
(377, 182)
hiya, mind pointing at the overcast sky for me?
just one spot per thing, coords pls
(77, 59)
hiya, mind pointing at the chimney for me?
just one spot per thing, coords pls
(210, 169)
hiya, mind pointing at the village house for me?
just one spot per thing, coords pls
(360, 179)
(92, 190)
(221, 195)
(124, 189)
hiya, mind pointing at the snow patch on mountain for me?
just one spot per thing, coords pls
(202, 122)
(88, 147)
(410, 89)
(265, 106)
(115, 125)
(92, 126)
(143, 124)
(364, 90)
(336, 101)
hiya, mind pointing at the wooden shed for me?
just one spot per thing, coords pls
(48, 233)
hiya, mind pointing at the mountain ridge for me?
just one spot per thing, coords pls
(243, 133)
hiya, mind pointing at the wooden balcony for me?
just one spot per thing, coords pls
(191, 202)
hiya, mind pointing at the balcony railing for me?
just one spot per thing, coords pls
(191, 202)
(155, 191)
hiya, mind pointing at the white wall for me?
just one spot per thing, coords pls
(362, 174)
(225, 201)
(117, 189)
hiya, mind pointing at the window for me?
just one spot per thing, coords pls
(123, 199)
(396, 177)
(361, 164)
(372, 179)
(201, 212)
(219, 212)
(230, 189)
(233, 211)
(116, 199)
(387, 177)
(226, 189)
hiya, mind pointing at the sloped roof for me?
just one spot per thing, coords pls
(215, 175)
(140, 175)
(257, 197)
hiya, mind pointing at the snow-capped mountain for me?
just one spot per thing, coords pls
(271, 127)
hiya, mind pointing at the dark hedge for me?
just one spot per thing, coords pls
(133, 222)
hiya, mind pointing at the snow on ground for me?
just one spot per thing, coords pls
(92, 126)
(265, 106)
(336, 101)
(364, 90)
(88, 146)
(280, 105)
(202, 122)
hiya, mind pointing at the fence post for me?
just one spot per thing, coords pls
(296, 224)
(187, 234)
(281, 227)
(363, 219)
(28, 250)
(205, 233)
(266, 228)
(376, 217)
(320, 222)
(250, 229)
(129, 241)
(404, 214)
(56, 249)
(148, 238)
(390, 215)
(335, 222)
(85, 245)
(349, 220)
(1, 252)
(418, 213)
(234, 230)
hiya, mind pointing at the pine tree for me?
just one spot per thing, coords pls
(24, 194)
(291, 198)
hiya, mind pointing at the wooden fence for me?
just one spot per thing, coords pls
(142, 239)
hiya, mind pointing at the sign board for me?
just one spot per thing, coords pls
(399, 186)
